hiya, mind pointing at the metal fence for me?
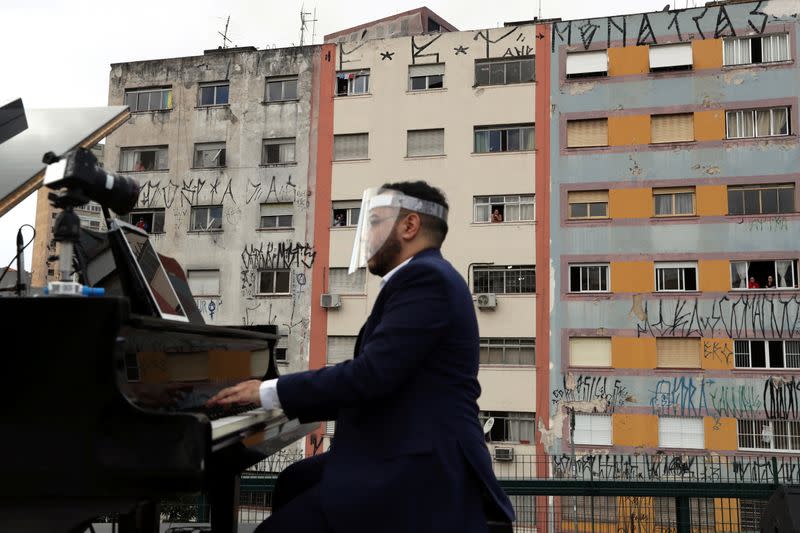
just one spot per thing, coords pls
(597, 493)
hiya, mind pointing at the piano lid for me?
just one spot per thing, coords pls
(56, 130)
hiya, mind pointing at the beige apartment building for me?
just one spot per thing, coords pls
(455, 109)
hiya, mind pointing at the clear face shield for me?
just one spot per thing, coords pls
(380, 210)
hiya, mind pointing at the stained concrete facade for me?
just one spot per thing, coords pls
(225, 258)
(609, 357)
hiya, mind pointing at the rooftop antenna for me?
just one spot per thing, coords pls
(304, 24)
(224, 35)
(540, 10)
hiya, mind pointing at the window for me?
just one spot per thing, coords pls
(350, 146)
(150, 220)
(281, 89)
(750, 512)
(203, 282)
(587, 133)
(214, 94)
(589, 509)
(676, 276)
(340, 282)
(274, 281)
(767, 354)
(143, 159)
(504, 72)
(588, 278)
(345, 213)
(503, 138)
(509, 426)
(673, 202)
(672, 128)
(277, 216)
(681, 432)
(352, 82)
(670, 57)
(702, 514)
(206, 218)
(593, 429)
(677, 353)
(423, 77)
(148, 99)
(500, 351)
(587, 64)
(749, 123)
(777, 435)
(281, 355)
(340, 348)
(278, 151)
(761, 199)
(590, 351)
(765, 49)
(505, 279)
(425, 142)
(751, 275)
(588, 204)
(516, 208)
(209, 155)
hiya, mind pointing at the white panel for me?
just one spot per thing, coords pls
(587, 62)
(593, 429)
(340, 282)
(425, 142)
(203, 282)
(680, 432)
(426, 70)
(671, 55)
(590, 351)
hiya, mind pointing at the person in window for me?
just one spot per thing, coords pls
(139, 166)
(497, 216)
(770, 283)
(408, 454)
(141, 224)
(753, 284)
(340, 220)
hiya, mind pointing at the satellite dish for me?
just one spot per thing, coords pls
(487, 427)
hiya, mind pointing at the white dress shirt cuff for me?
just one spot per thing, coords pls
(269, 394)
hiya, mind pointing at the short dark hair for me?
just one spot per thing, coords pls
(435, 227)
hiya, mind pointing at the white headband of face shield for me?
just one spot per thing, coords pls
(399, 200)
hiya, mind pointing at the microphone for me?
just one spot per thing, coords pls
(21, 288)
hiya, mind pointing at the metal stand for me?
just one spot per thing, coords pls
(66, 231)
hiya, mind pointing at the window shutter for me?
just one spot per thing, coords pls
(670, 55)
(589, 197)
(678, 353)
(340, 282)
(592, 132)
(276, 209)
(680, 432)
(350, 146)
(330, 427)
(587, 62)
(436, 69)
(425, 142)
(593, 429)
(590, 351)
(340, 349)
(672, 128)
(203, 282)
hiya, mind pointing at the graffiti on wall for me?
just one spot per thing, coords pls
(761, 316)
(591, 394)
(196, 192)
(710, 22)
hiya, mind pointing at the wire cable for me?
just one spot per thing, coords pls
(8, 267)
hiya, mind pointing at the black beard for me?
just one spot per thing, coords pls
(386, 256)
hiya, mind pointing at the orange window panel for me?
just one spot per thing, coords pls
(628, 60)
(717, 354)
(712, 200)
(707, 54)
(635, 430)
(720, 434)
(630, 203)
(633, 352)
(709, 125)
(627, 130)
(632, 276)
(714, 275)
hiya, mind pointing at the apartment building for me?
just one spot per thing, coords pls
(671, 216)
(454, 108)
(222, 145)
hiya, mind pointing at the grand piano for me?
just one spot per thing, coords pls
(102, 405)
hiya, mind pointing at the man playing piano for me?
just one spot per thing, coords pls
(408, 454)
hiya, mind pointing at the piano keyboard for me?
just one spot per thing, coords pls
(223, 427)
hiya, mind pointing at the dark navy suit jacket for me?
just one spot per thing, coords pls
(409, 452)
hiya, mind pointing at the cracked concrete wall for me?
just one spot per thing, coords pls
(716, 394)
(240, 249)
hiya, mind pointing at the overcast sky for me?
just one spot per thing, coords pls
(57, 53)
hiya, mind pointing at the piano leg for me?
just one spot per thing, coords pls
(144, 518)
(224, 502)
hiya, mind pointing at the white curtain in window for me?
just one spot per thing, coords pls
(763, 123)
(775, 48)
(780, 121)
(741, 271)
(684, 203)
(737, 51)
(664, 204)
(512, 213)
(784, 272)
(482, 213)
(527, 210)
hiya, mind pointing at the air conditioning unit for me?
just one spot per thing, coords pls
(486, 301)
(503, 453)
(330, 301)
